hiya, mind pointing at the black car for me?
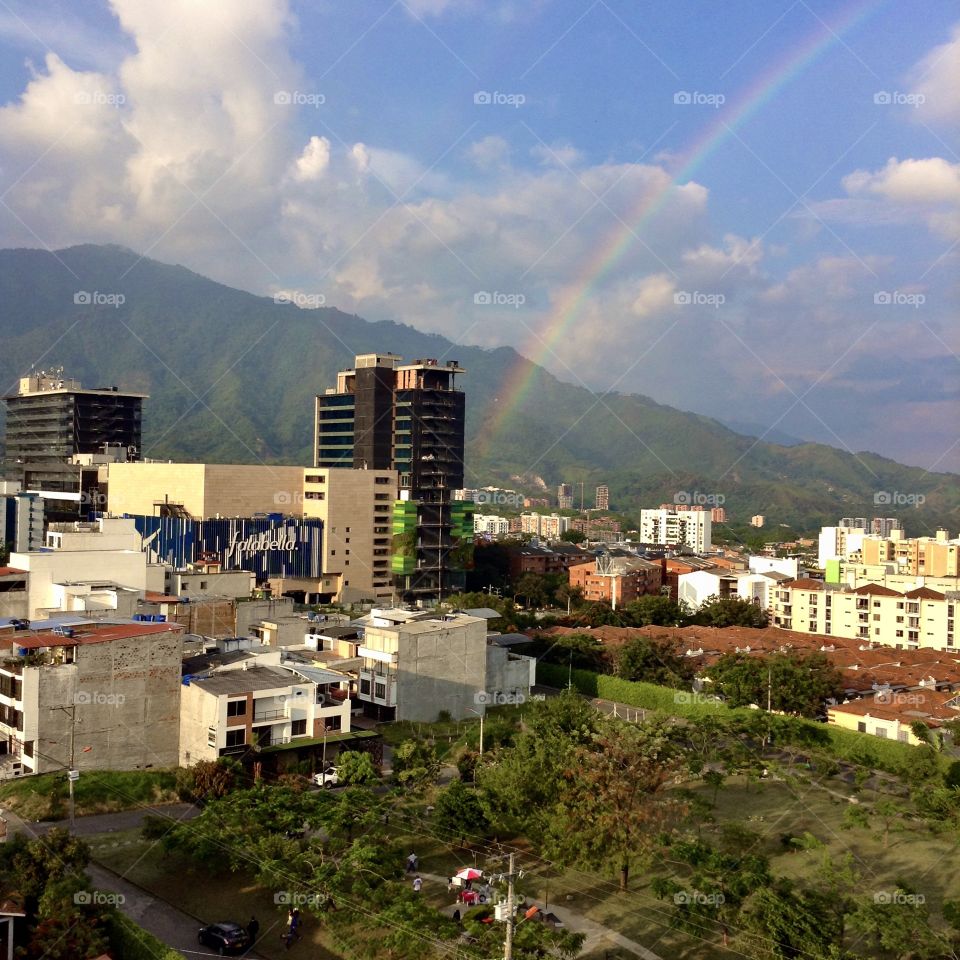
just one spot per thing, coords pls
(224, 937)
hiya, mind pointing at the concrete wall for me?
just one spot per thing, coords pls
(253, 611)
(509, 675)
(205, 490)
(198, 712)
(441, 669)
(127, 699)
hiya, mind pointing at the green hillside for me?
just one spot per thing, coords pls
(232, 377)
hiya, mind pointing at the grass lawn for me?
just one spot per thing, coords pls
(45, 797)
(206, 893)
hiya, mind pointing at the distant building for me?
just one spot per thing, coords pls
(884, 526)
(21, 521)
(891, 714)
(616, 580)
(565, 496)
(690, 528)
(601, 499)
(718, 515)
(57, 432)
(491, 524)
(546, 527)
(758, 520)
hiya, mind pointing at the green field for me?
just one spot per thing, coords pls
(46, 797)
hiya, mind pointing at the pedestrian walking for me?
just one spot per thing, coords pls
(417, 884)
(253, 928)
(411, 863)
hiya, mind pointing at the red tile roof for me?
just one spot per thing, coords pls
(84, 634)
(876, 590)
(806, 584)
(924, 593)
(10, 571)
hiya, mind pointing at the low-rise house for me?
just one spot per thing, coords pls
(890, 714)
(244, 707)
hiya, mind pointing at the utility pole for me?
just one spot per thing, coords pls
(71, 711)
(508, 941)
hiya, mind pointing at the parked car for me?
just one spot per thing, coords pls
(327, 778)
(224, 937)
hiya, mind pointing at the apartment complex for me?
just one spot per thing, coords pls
(920, 617)
(565, 496)
(686, 528)
(601, 499)
(937, 556)
(543, 526)
(90, 695)
(491, 525)
(387, 415)
(616, 580)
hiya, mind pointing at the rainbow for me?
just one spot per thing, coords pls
(519, 381)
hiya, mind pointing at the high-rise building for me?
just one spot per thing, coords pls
(57, 431)
(602, 499)
(565, 496)
(884, 526)
(691, 528)
(388, 415)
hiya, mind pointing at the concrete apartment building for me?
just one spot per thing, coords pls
(675, 528)
(21, 520)
(491, 524)
(937, 556)
(616, 580)
(544, 526)
(254, 707)
(601, 498)
(109, 689)
(416, 665)
(914, 618)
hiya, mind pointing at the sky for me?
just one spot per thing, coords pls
(747, 210)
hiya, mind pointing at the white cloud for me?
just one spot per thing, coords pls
(928, 181)
(937, 78)
(315, 159)
(489, 153)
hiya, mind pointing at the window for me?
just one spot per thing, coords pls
(313, 495)
(236, 738)
(902, 736)
(347, 529)
(381, 480)
(332, 723)
(298, 728)
(236, 708)
(365, 688)
(380, 691)
(881, 732)
(203, 584)
(211, 736)
(315, 478)
(346, 540)
(381, 496)
(861, 727)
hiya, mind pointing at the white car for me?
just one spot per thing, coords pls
(328, 778)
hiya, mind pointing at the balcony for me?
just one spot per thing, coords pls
(267, 715)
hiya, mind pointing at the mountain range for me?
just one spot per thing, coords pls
(232, 376)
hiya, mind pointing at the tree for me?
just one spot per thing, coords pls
(730, 612)
(414, 762)
(459, 813)
(659, 611)
(614, 801)
(533, 588)
(785, 922)
(573, 536)
(653, 661)
(208, 779)
(355, 767)
(898, 922)
(579, 650)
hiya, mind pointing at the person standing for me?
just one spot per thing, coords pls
(417, 884)
(253, 928)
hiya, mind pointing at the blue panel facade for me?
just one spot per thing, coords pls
(269, 547)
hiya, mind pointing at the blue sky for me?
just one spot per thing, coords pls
(337, 151)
